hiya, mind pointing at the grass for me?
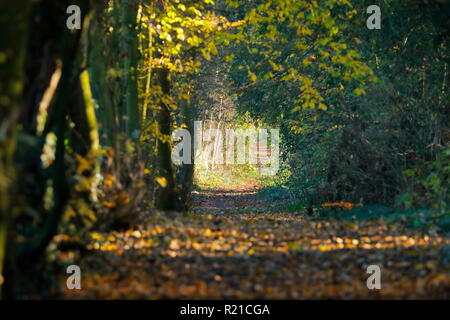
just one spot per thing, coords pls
(225, 176)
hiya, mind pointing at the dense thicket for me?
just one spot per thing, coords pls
(385, 143)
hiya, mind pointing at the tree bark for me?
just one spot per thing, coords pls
(166, 199)
(13, 39)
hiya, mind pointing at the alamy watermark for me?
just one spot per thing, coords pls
(374, 20)
(74, 20)
(214, 146)
(374, 280)
(74, 280)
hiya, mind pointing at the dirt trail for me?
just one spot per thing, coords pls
(234, 245)
(220, 200)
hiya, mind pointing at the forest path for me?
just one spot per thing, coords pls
(222, 200)
(234, 245)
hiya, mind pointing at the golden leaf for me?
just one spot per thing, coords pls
(161, 181)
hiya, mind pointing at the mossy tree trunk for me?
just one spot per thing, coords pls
(187, 170)
(13, 39)
(31, 252)
(166, 198)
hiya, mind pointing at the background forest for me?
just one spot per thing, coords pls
(86, 118)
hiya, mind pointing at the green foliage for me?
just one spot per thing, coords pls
(431, 184)
(418, 219)
(346, 137)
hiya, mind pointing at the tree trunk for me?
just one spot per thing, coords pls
(166, 199)
(129, 47)
(187, 170)
(31, 252)
(13, 39)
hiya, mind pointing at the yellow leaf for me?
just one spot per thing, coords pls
(307, 62)
(206, 54)
(110, 204)
(252, 76)
(323, 107)
(96, 236)
(109, 180)
(359, 91)
(161, 181)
